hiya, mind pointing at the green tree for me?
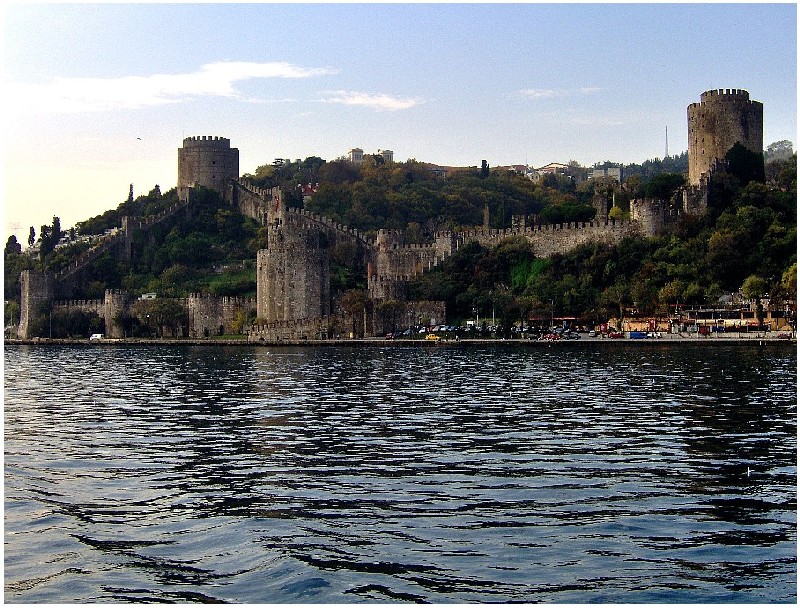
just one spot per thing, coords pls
(12, 313)
(12, 246)
(755, 288)
(160, 316)
(663, 186)
(789, 282)
(779, 150)
(616, 296)
(354, 303)
(746, 165)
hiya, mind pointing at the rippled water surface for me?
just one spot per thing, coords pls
(447, 474)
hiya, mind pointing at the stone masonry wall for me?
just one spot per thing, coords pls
(721, 119)
(211, 316)
(254, 202)
(37, 289)
(206, 161)
(293, 273)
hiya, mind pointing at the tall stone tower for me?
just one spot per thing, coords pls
(723, 118)
(209, 162)
(293, 273)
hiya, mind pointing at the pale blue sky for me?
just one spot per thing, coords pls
(445, 83)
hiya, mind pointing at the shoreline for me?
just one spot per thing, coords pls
(667, 339)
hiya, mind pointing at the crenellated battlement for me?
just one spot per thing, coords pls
(303, 216)
(728, 93)
(223, 300)
(206, 141)
(207, 161)
(82, 304)
(412, 247)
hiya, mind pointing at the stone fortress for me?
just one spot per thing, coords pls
(723, 118)
(294, 299)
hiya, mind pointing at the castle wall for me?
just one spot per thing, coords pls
(291, 330)
(95, 306)
(396, 263)
(211, 316)
(37, 290)
(695, 199)
(651, 214)
(721, 119)
(262, 205)
(206, 161)
(601, 205)
(347, 326)
(116, 301)
(293, 273)
(550, 239)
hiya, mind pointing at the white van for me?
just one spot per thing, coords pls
(96, 337)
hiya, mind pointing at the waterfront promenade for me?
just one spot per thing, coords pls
(666, 339)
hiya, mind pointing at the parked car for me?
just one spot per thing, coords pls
(432, 337)
(614, 334)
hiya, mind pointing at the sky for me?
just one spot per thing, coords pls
(100, 96)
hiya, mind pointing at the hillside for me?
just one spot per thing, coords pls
(749, 235)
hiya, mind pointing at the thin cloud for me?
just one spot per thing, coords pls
(551, 93)
(66, 95)
(543, 93)
(375, 101)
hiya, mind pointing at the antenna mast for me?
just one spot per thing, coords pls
(666, 142)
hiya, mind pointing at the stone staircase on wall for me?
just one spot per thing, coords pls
(120, 240)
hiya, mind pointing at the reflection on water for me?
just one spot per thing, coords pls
(194, 474)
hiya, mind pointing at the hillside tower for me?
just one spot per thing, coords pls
(723, 118)
(209, 162)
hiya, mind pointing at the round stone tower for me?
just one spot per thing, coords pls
(206, 161)
(723, 118)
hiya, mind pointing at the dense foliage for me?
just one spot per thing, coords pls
(749, 238)
(410, 196)
(212, 250)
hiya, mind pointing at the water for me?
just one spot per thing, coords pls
(391, 474)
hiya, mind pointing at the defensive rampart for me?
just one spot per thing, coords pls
(396, 262)
(207, 315)
(119, 245)
(254, 202)
(372, 320)
(211, 316)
